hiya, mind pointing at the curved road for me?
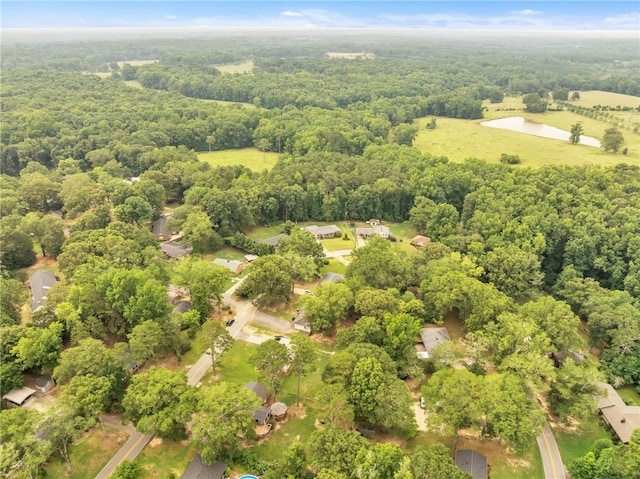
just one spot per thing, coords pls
(551, 460)
(245, 312)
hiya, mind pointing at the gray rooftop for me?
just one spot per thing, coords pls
(274, 240)
(197, 470)
(472, 462)
(40, 282)
(259, 389)
(176, 250)
(381, 230)
(323, 230)
(182, 307)
(261, 415)
(331, 278)
(231, 264)
(158, 227)
(433, 337)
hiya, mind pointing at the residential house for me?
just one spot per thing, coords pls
(431, 338)
(301, 323)
(331, 278)
(420, 241)
(472, 462)
(250, 257)
(262, 414)
(324, 232)
(380, 230)
(259, 389)
(274, 240)
(182, 307)
(623, 419)
(198, 470)
(158, 227)
(234, 266)
(173, 249)
(41, 281)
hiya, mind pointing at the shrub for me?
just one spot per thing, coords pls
(510, 159)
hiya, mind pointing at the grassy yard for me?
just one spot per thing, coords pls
(629, 395)
(89, 455)
(264, 232)
(334, 266)
(161, 458)
(574, 444)
(229, 252)
(337, 244)
(595, 97)
(251, 158)
(462, 139)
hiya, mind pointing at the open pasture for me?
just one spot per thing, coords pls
(231, 68)
(252, 158)
(462, 139)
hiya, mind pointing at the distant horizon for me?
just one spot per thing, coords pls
(491, 16)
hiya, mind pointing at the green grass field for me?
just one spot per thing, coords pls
(334, 266)
(89, 455)
(596, 97)
(338, 244)
(161, 458)
(629, 395)
(231, 68)
(229, 103)
(462, 139)
(576, 444)
(251, 158)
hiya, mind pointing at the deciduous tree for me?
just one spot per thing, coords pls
(270, 359)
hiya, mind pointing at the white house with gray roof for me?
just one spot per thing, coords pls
(41, 281)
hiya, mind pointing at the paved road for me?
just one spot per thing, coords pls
(128, 452)
(245, 313)
(551, 460)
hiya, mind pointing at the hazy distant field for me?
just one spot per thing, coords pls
(461, 139)
(252, 158)
(244, 67)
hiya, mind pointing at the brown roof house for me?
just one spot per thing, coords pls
(41, 281)
(234, 266)
(324, 232)
(432, 338)
(420, 241)
(198, 470)
(623, 419)
(472, 462)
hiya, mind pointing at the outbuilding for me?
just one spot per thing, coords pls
(472, 462)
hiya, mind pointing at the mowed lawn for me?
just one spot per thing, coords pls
(89, 454)
(575, 444)
(462, 139)
(231, 68)
(251, 158)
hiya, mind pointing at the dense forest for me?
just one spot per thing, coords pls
(535, 263)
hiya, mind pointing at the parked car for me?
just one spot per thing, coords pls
(230, 322)
(422, 403)
(307, 291)
(277, 338)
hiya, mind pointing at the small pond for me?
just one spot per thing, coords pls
(517, 123)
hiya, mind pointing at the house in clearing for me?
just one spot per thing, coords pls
(420, 241)
(41, 281)
(472, 462)
(623, 419)
(234, 266)
(198, 470)
(173, 249)
(324, 232)
(432, 338)
(259, 389)
(301, 323)
(380, 230)
(159, 230)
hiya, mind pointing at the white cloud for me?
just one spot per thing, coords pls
(289, 13)
(526, 11)
(628, 20)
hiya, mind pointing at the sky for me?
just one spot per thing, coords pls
(417, 14)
